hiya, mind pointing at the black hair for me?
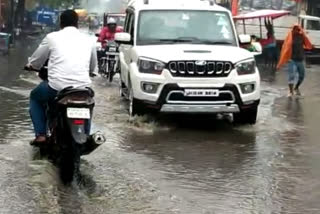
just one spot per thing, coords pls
(69, 18)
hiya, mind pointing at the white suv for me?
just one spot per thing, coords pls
(184, 57)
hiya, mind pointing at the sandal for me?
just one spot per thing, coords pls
(297, 92)
(40, 140)
(290, 95)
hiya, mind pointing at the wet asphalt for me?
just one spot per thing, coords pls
(167, 164)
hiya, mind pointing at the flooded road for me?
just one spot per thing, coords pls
(167, 164)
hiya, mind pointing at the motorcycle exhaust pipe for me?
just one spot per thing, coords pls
(93, 142)
(98, 138)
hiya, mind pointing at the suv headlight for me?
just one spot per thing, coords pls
(150, 66)
(246, 67)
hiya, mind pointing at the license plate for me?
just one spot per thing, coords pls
(112, 53)
(78, 113)
(201, 93)
(112, 49)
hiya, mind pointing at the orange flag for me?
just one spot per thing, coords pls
(286, 51)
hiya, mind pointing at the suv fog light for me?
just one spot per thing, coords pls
(247, 88)
(149, 87)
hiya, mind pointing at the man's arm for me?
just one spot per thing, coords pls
(119, 29)
(93, 59)
(40, 56)
(102, 36)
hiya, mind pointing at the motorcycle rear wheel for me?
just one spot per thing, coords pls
(69, 162)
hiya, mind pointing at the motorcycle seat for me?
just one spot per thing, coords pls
(75, 96)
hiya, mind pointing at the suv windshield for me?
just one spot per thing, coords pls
(195, 27)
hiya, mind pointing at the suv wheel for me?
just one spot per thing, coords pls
(247, 116)
(134, 107)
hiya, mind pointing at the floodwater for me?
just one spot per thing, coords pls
(167, 164)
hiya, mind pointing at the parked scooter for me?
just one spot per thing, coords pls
(68, 129)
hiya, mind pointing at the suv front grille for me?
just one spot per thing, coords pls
(178, 97)
(200, 68)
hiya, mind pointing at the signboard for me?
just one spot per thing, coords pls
(46, 16)
(249, 5)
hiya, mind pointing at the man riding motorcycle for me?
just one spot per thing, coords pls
(107, 33)
(71, 56)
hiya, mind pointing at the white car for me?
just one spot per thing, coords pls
(184, 57)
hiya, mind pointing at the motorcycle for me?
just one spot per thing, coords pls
(109, 62)
(68, 129)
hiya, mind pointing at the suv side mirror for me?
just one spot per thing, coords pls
(244, 39)
(123, 38)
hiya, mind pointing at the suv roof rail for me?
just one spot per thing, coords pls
(211, 2)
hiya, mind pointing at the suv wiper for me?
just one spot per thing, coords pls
(217, 42)
(176, 40)
(167, 41)
(196, 40)
(192, 40)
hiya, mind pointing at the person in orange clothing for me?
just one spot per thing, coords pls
(293, 51)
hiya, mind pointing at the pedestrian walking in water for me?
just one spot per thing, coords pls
(293, 51)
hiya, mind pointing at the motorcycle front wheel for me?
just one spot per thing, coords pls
(111, 72)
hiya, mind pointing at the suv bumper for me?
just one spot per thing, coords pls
(172, 108)
(231, 102)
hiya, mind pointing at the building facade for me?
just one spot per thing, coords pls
(313, 7)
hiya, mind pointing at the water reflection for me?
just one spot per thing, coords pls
(267, 74)
(217, 164)
(13, 117)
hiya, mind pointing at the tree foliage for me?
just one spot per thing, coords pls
(30, 4)
(56, 3)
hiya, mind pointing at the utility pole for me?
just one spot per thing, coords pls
(299, 7)
(10, 16)
(280, 4)
(1, 11)
(10, 21)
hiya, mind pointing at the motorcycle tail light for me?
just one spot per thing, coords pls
(78, 122)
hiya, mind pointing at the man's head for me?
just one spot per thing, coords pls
(69, 18)
(112, 24)
(253, 38)
(296, 30)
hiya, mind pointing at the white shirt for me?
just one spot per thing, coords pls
(257, 46)
(72, 55)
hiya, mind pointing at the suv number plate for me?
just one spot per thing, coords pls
(78, 113)
(201, 93)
